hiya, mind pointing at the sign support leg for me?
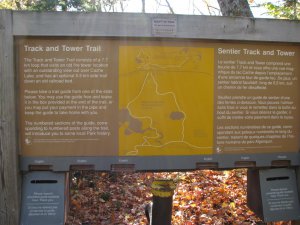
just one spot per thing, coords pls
(297, 222)
(10, 178)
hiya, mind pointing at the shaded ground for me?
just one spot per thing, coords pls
(201, 197)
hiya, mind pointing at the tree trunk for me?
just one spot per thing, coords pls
(235, 8)
(143, 6)
(295, 10)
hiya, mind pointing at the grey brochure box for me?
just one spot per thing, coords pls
(272, 194)
(43, 199)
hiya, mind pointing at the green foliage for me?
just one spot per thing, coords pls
(56, 5)
(62, 5)
(42, 5)
(284, 9)
(13, 4)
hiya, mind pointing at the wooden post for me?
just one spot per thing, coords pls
(162, 191)
(298, 185)
(9, 172)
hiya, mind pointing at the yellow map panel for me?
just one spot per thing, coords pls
(165, 100)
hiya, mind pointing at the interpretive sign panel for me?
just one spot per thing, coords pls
(257, 99)
(68, 97)
(111, 97)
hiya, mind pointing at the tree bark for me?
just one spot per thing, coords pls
(235, 8)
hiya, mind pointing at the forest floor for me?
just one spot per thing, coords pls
(200, 197)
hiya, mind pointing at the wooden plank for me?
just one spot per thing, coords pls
(140, 25)
(80, 24)
(9, 173)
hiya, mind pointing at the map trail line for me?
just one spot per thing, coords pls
(146, 143)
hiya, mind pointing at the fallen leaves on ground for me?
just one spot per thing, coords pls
(201, 197)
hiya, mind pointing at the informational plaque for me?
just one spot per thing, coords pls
(257, 98)
(111, 97)
(43, 199)
(68, 97)
(273, 195)
(164, 26)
